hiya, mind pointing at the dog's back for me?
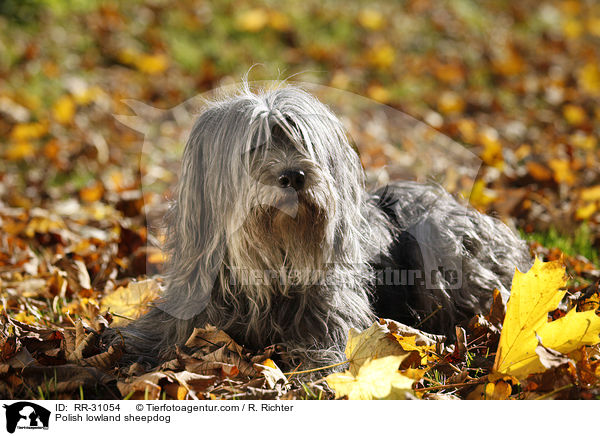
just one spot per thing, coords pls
(445, 261)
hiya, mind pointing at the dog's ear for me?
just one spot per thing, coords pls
(195, 236)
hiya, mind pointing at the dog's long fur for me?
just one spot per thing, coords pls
(299, 267)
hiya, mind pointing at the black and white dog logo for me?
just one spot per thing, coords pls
(26, 415)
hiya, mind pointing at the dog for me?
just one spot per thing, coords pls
(273, 238)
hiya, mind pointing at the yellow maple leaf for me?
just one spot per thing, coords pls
(375, 355)
(533, 295)
(376, 379)
(131, 301)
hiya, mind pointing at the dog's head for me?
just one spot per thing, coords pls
(268, 181)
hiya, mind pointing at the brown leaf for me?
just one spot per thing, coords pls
(195, 383)
(105, 360)
(10, 347)
(421, 337)
(461, 343)
(225, 362)
(497, 310)
(212, 337)
(272, 374)
(78, 345)
(145, 386)
(177, 385)
(78, 278)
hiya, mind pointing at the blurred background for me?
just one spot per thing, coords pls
(516, 83)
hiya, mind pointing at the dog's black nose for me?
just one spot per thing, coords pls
(292, 179)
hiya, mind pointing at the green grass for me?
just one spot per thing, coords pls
(578, 243)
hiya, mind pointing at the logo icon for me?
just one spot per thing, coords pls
(26, 415)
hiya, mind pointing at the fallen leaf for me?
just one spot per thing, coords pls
(586, 212)
(210, 336)
(78, 278)
(539, 171)
(534, 294)
(376, 379)
(373, 343)
(222, 362)
(562, 171)
(131, 301)
(19, 151)
(272, 374)
(497, 309)
(146, 386)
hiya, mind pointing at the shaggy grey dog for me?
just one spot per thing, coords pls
(274, 239)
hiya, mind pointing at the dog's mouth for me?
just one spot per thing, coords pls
(292, 212)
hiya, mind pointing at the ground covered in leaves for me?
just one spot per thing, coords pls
(515, 83)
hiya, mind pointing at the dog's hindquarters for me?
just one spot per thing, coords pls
(445, 261)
